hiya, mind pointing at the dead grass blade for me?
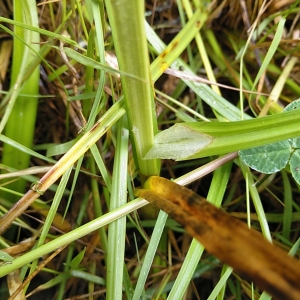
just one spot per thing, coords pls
(227, 238)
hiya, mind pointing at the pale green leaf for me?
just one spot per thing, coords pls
(5, 256)
(178, 142)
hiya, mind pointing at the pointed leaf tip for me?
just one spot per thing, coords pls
(178, 142)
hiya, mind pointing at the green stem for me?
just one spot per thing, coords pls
(195, 140)
(127, 23)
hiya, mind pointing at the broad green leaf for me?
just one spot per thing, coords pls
(295, 142)
(295, 165)
(267, 159)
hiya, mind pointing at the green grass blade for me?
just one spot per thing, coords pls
(151, 251)
(288, 206)
(178, 44)
(216, 102)
(87, 141)
(221, 283)
(73, 235)
(117, 229)
(256, 201)
(51, 214)
(21, 122)
(272, 49)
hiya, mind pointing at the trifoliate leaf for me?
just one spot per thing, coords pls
(267, 159)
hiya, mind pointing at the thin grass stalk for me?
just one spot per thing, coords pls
(220, 285)
(256, 201)
(168, 54)
(288, 206)
(151, 251)
(51, 215)
(225, 269)
(72, 235)
(97, 207)
(86, 142)
(117, 229)
(202, 49)
(216, 102)
(71, 249)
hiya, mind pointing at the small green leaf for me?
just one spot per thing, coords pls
(89, 62)
(77, 259)
(295, 142)
(295, 165)
(267, 159)
(178, 142)
(5, 257)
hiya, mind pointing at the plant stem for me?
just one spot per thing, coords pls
(127, 24)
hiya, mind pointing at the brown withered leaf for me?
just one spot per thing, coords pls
(229, 239)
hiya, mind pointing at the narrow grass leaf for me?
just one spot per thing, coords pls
(72, 235)
(63, 276)
(88, 277)
(77, 259)
(101, 165)
(22, 110)
(256, 201)
(178, 44)
(25, 149)
(151, 251)
(86, 142)
(48, 33)
(288, 206)
(220, 285)
(89, 62)
(272, 49)
(117, 229)
(52, 213)
(216, 102)
(5, 257)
